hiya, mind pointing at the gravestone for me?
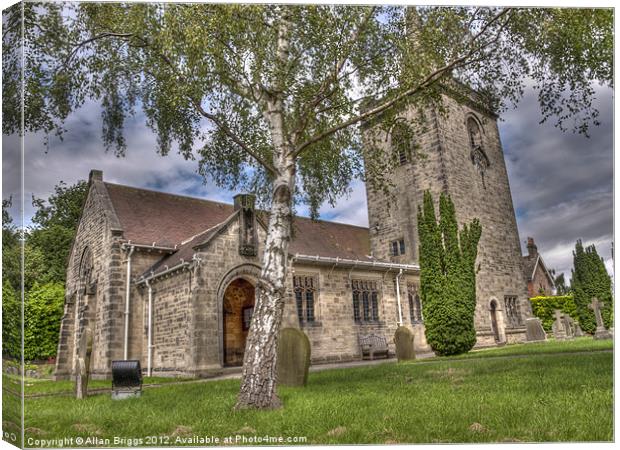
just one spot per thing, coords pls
(569, 325)
(578, 331)
(85, 348)
(403, 338)
(601, 331)
(558, 327)
(534, 331)
(293, 357)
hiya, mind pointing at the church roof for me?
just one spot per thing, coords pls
(167, 220)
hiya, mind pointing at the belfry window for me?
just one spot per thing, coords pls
(477, 154)
(402, 142)
(305, 293)
(365, 300)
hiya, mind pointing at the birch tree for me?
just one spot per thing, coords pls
(272, 98)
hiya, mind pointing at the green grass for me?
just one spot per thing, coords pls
(583, 344)
(537, 398)
(35, 386)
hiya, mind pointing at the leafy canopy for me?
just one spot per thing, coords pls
(206, 76)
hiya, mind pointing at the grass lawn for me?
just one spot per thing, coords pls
(538, 397)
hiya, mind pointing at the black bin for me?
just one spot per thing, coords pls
(126, 379)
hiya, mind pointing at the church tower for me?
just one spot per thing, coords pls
(455, 149)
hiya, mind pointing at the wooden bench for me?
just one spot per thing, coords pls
(373, 345)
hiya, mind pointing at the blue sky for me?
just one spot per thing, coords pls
(561, 182)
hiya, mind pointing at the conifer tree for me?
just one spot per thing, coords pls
(590, 279)
(447, 277)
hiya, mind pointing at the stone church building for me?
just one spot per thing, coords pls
(169, 280)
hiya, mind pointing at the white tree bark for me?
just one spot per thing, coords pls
(259, 378)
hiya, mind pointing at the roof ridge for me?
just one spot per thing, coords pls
(188, 197)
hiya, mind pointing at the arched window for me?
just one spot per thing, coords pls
(402, 142)
(86, 274)
(477, 154)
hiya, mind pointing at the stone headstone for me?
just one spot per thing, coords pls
(601, 331)
(403, 338)
(293, 357)
(578, 331)
(534, 330)
(569, 325)
(558, 327)
(85, 348)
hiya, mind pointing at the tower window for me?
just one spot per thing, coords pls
(397, 247)
(402, 142)
(477, 154)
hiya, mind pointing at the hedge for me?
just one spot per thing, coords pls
(43, 312)
(544, 307)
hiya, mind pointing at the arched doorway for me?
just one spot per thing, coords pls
(494, 324)
(239, 300)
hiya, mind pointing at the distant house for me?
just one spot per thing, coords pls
(539, 280)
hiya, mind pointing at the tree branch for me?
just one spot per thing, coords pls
(429, 80)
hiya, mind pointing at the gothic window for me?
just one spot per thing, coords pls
(512, 310)
(477, 154)
(415, 307)
(365, 300)
(402, 142)
(86, 273)
(305, 293)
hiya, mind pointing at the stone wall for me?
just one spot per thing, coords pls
(334, 335)
(442, 163)
(95, 305)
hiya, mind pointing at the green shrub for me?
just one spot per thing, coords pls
(543, 308)
(43, 311)
(11, 321)
(447, 277)
(590, 279)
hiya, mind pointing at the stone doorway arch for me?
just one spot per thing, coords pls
(238, 306)
(238, 278)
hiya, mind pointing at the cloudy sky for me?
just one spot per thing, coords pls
(562, 183)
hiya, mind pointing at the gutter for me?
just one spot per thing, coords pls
(327, 260)
(127, 300)
(400, 309)
(145, 280)
(149, 344)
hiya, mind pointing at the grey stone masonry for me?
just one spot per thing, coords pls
(447, 159)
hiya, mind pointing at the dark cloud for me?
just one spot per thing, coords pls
(562, 183)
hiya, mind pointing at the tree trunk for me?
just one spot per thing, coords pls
(259, 378)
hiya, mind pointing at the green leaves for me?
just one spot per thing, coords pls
(43, 310)
(590, 279)
(447, 277)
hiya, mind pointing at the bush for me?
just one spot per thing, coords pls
(544, 307)
(590, 279)
(11, 321)
(43, 312)
(447, 277)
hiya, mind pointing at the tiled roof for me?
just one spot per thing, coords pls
(169, 220)
(164, 219)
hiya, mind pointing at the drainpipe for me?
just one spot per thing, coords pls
(400, 309)
(127, 297)
(149, 344)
